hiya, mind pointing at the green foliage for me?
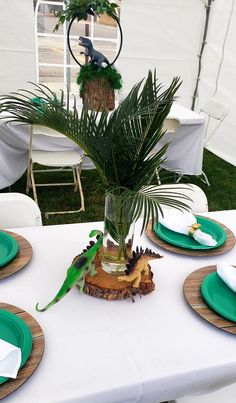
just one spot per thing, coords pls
(90, 72)
(120, 143)
(80, 9)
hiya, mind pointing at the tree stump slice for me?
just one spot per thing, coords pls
(107, 286)
(99, 95)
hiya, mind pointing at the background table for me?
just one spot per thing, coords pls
(100, 351)
(184, 154)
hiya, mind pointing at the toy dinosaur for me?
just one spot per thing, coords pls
(96, 57)
(138, 265)
(76, 273)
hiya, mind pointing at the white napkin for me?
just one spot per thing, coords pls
(10, 359)
(183, 222)
(227, 273)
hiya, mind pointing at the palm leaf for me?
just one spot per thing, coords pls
(120, 143)
(147, 202)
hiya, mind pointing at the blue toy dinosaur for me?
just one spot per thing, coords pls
(96, 57)
(82, 265)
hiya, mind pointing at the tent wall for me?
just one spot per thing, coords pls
(165, 35)
(17, 45)
(218, 77)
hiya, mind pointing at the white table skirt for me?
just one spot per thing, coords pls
(99, 351)
(184, 154)
(14, 145)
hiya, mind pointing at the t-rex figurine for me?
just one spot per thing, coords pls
(138, 265)
(76, 273)
(96, 57)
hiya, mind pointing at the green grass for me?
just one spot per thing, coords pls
(62, 198)
(221, 194)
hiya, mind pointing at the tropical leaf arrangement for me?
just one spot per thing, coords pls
(80, 9)
(120, 143)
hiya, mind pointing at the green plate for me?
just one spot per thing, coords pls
(187, 242)
(219, 296)
(8, 248)
(15, 331)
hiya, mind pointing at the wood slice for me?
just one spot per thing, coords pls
(105, 285)
(226, 247)
(193, 296)
(35, 356)
(22, 258)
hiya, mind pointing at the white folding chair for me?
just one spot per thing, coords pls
(198, 203)
(18, 210)
(171, 125)
(57, 161)
(214, 110)
(224, 395)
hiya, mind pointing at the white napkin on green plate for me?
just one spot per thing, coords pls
(10, 359)
(228, 274)
(185, 223)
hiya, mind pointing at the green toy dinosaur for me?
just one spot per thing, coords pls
(77, 271)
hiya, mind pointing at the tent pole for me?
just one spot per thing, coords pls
(208, 10)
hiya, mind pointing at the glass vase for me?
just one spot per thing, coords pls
(118, 234)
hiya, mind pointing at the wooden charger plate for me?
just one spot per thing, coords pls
(227, 246)
(22, 258)
(193, 296)
(35, 356)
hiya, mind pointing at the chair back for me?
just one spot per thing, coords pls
(46, 131)
(60, 159)
(217, 111)
(214, 109)
(43, 131)
(225, 394)
(198, 202)
(171, 125)
(18, 210)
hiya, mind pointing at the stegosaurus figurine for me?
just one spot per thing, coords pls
(138, 265)
(82, 265)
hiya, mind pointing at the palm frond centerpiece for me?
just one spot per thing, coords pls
(120, 144)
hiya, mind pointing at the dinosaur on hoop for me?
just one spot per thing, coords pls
(96, 57)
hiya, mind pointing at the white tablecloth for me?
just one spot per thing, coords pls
(99, 351)
(184, 154)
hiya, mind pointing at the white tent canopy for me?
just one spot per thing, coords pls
(17, 45)
(162, 34)
(167, 35)
(218, 78)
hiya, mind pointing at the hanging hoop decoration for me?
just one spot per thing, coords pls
(120, 46)
(80, 10)
(97, 82)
